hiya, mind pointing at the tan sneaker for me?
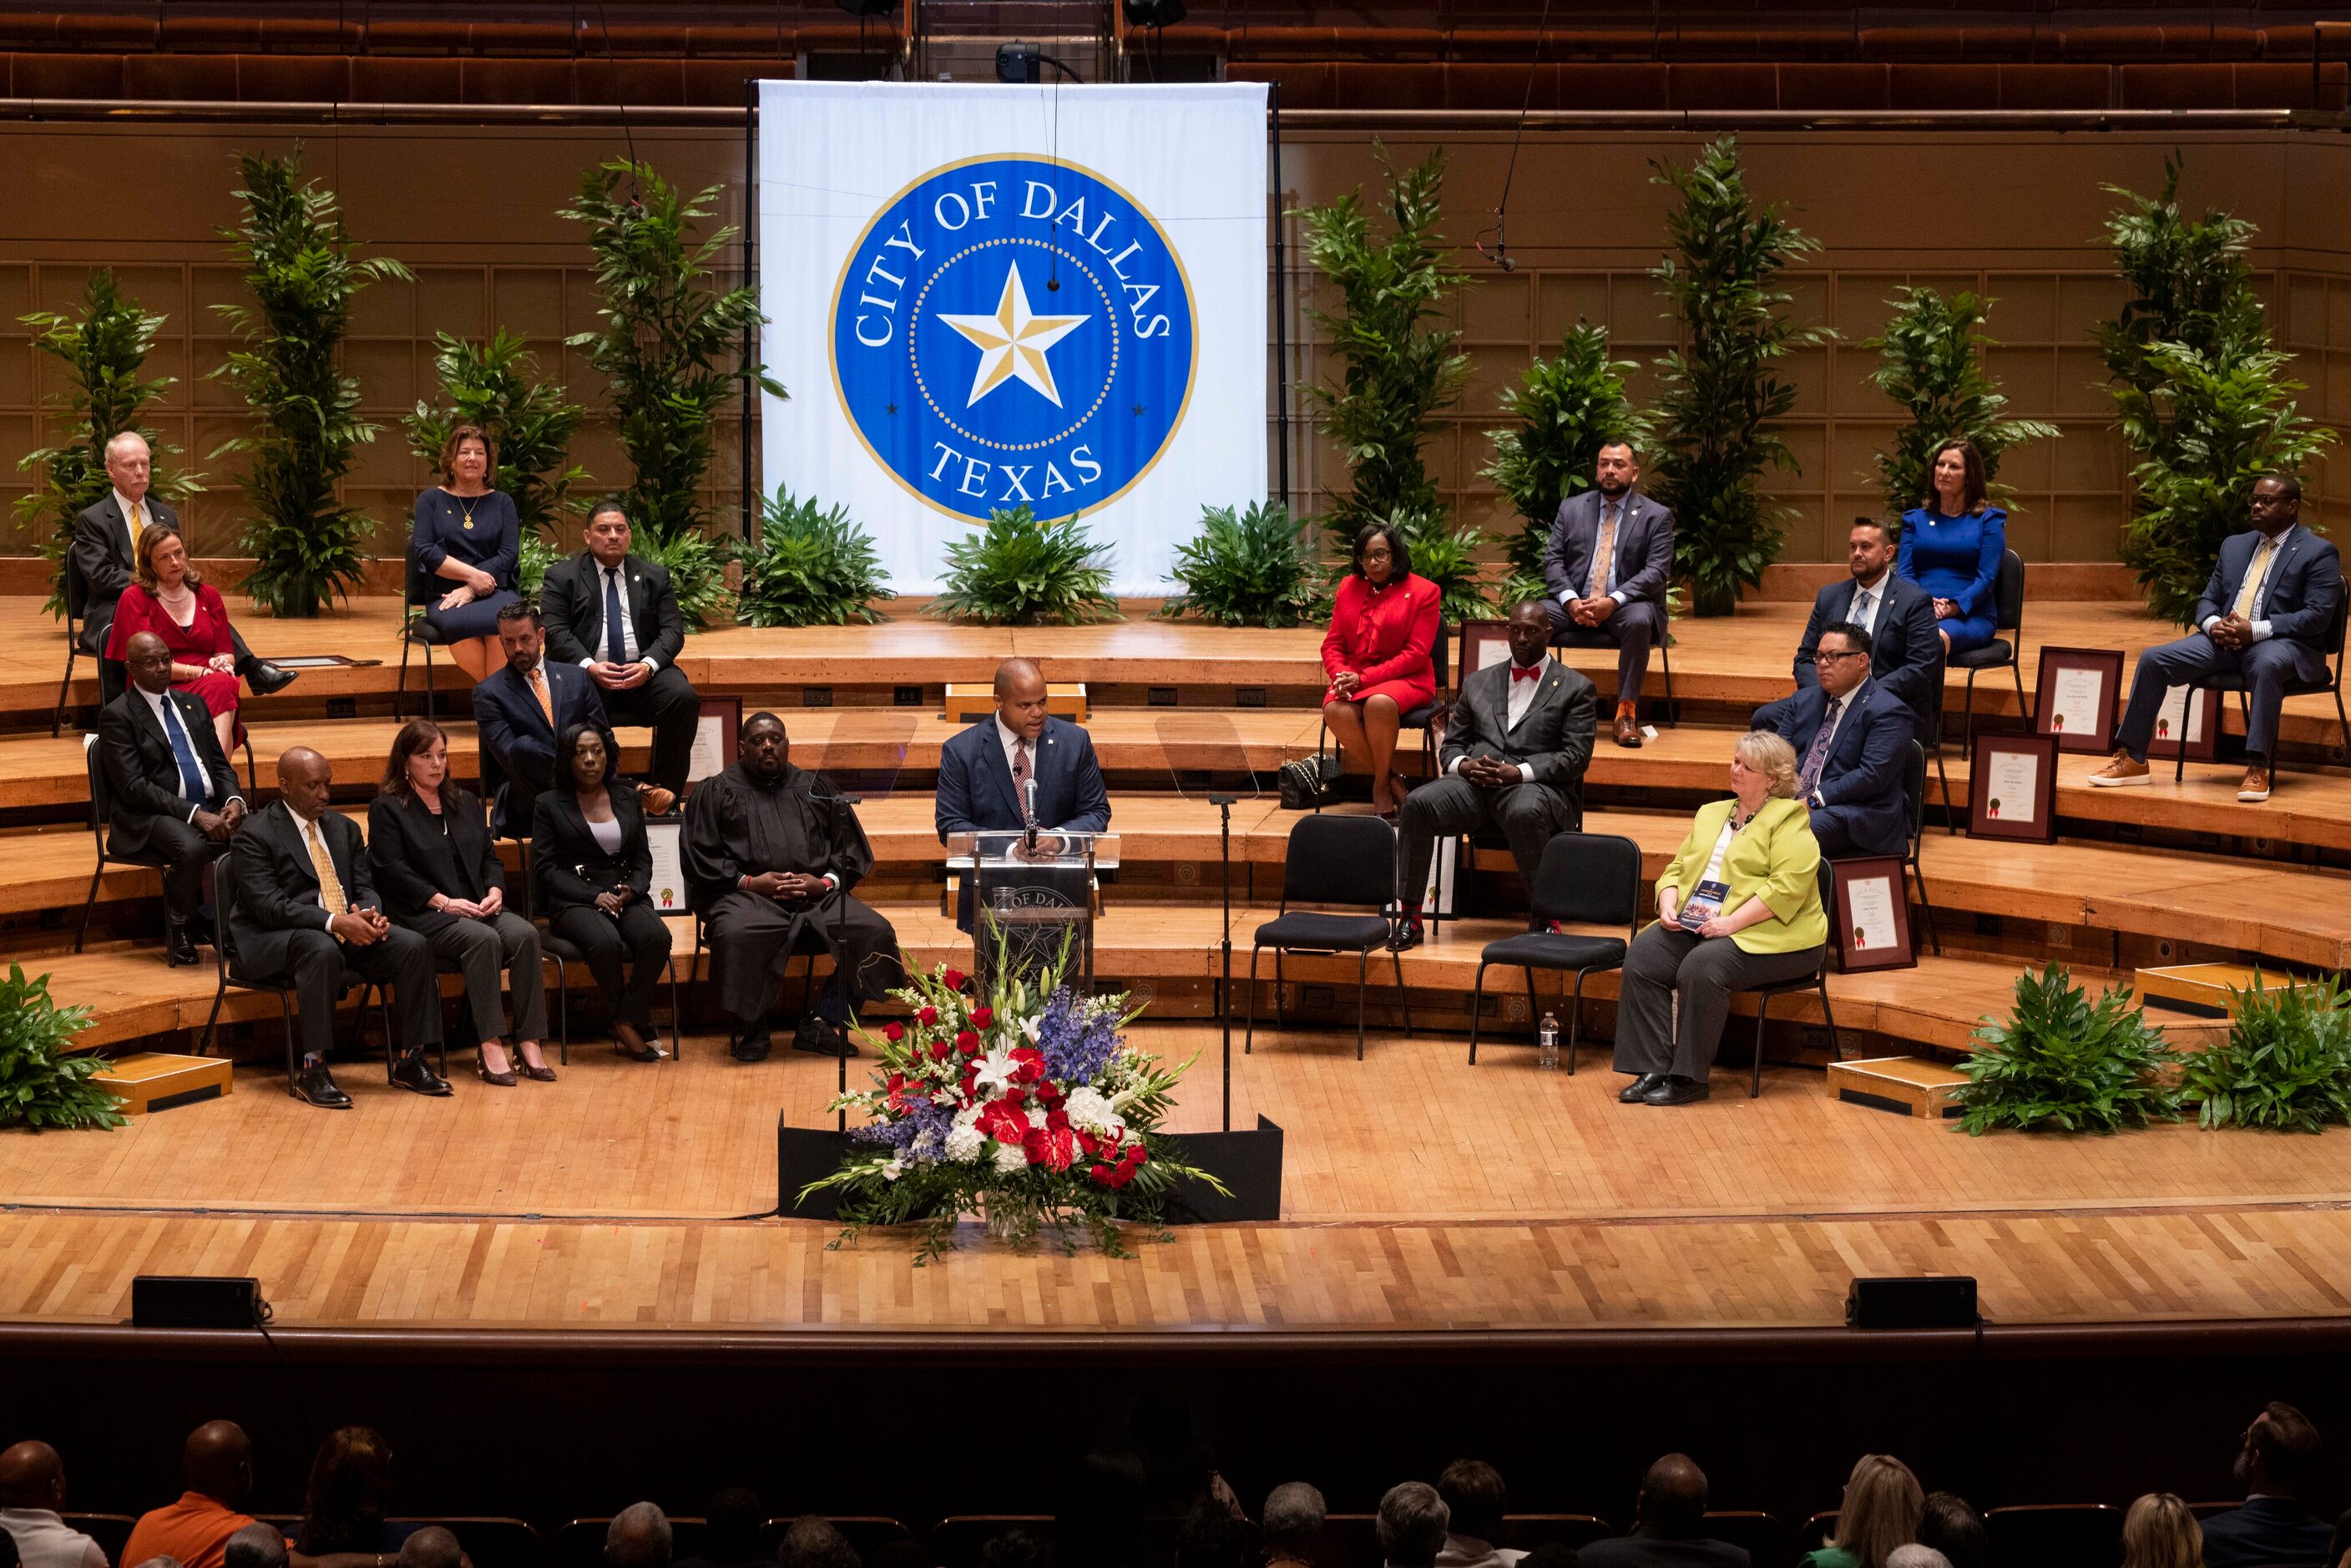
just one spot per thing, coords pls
(2121, 770)
(2256, 786)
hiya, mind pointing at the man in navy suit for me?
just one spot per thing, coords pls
(173, 793)
(985, 772)
(521, 709)
(2264, 617)
(1906, 655)
(2277, 1458)
(1610, 557)
(1852, 740)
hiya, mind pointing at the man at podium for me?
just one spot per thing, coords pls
(1019, 767)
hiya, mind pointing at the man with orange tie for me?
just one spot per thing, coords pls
(305, 914)
(521, 710)
(2264, 618)
(1610, 556)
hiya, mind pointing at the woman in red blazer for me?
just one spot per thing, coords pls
(1377, 653)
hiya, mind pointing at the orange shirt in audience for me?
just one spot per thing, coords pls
(195, 1530)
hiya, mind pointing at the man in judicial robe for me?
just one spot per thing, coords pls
(770, 853)
(990, 772)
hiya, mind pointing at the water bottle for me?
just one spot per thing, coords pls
(1547, 1041)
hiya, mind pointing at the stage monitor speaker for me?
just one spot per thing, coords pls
(1927, 1301)
(196, 1301)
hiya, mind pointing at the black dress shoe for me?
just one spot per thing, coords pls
(822, 1036)
(1677, 1091)
(1406, 936)
(316, 1085)
(414, 1074)
(753, 1045)
(646, 1053)
(1639, 1088)
(179, 945)
(265, 677)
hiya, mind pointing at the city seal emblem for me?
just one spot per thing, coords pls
(1012, 330)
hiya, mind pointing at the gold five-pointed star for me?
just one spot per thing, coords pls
(1012, 342)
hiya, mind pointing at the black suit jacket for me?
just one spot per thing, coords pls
(278, 890)
(1553, 738)
(975, 793)
(413, 857)
(1641, 1549)
(515, 739)
(571, 867)
(571, 600)
(1906, 655)
(1860, 782)
(101, 554)
(2266, 1531)
(142, 776)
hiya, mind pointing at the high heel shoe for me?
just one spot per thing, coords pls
(498, 1080)
(540, 1074)
(645, 1054)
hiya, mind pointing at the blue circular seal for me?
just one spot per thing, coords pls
(1014, 330)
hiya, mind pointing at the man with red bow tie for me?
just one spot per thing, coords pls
(1514, 758)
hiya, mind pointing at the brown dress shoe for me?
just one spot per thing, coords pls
(2256, 786)
(2120, 770)
(1628, 730)
(655, 801)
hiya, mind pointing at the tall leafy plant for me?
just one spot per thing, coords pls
(1724, 387)
(1399, 365)
(1930, 366)
(670, 349)
(1446, 553)
(305, 543)
(1017, 571)
(495, 385)
(2197, 391)
(1567, 407)
(2285, 1065)
(102, 349)
(810, 565)
(2064, 1062)
(41, 1085)
(1248, 566)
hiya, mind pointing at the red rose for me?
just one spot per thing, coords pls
(927, 1016)
(966, 1042)
(1088, 1142)
(1101, 1173)
(981, 1016)
(938, 1049)
(893, 1032)
(955, 979)
(1059, 1120)
(1049, 1092)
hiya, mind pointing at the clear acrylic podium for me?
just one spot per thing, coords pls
(1031, 894)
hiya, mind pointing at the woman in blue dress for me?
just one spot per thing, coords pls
(1952, 546)
(468, 537)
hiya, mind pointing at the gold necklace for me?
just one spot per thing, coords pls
(469, 513)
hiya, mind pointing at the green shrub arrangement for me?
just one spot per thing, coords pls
(496, 386)
(1248, 567)
(305, 543)
(2066, 1063)
(1724, 390)
(1931, 367)
(539, 553)
(1446, 554)
(2286, 1064)
(40, 1085)
(1568, 407)
(808, 567)
(697, 573)
(102, 349)
(1017, 571)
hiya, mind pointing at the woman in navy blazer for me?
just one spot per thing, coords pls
(465, 548)
(594, 867)
(1953, 546)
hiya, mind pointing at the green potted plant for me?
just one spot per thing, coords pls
(1017, 571)
(1567, 407)
(40, 1085)
(495, 385)
(1248, 567)
(2066, 1063)
(1931, 367)
(2286, 1064)
(809, 567)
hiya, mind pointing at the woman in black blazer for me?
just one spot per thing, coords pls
(595, 868)
(438, 874)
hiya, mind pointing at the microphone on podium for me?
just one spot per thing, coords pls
(1028, 813)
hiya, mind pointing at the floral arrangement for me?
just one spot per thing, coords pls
(1028, 1105)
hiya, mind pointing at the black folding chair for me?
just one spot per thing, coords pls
(1914, 801)
(415, 632)
(1586, 878)
(1421, 718)
(101, 807)
(1349, 861)
(2333, 649)
(565, 953)
(2055, 1535)
(76, 596)
(1817, 980)
(1664, 648)
(2008, 615)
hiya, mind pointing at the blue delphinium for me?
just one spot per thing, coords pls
(1077, 1035)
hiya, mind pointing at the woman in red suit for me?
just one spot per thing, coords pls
(1377, 654)
(170, 600)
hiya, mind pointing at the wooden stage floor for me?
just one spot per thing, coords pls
(1420, 1194)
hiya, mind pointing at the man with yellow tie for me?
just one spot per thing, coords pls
(2265, 618)
(1607, 564)
(305, 914)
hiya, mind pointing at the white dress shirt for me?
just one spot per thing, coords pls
(629, 643)
(155, 705)
(44, 1540)
(1874, 596)
(2261, 594)
(1519, 698)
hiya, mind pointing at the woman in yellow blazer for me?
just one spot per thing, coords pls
(1739, 906)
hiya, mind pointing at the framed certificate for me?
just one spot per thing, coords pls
(2189, 715)
(1871, 920)
(1479, 643)
(2012, 787)
(2075, 696)
(715, 736)
(666, 835)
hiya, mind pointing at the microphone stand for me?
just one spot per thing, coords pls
(1223, 805)
(834, 805)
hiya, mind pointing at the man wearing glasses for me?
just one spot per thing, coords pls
(1852, 739)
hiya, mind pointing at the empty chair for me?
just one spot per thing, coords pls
(1346, 861)
(2057, 1535)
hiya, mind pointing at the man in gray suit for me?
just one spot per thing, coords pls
(1514, 759)
(1609, 559)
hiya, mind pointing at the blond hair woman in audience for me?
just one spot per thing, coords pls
(1881, 1509)
(2160, 1532)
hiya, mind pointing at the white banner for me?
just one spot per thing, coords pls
(985, 296)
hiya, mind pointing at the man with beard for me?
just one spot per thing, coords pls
(770, 852)
(1610, 557)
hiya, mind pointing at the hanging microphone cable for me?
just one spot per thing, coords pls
(1500, 255)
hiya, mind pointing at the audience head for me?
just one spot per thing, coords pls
(1955, 477)
(2277, 503)
(608, 534)
(638, 1537)
(216, 1460)
(1951, 1525)
(432, 1547)
(1100, 1518)
(1474, 1498)
(1768, 765)
(129, 464)
(764, 745)
(419, 759)
(1881, 1509)
(811, 1541)
(1014, 1548)
(1615, 468)
(32, 1476)
(161, 1560)
(1412, 1525)
(521, 632)
(1841, 657)
(1529, 630)
(263, 1546)
(305, 780)
(1381, 554)
(585, 755)
(1673, 1497)
(2279, 1451)
(1210, 1537)
(467, 456)
(161, 559)
(148, 659)
(2160, 1532)
(1020, 697)
(350, 1481)
(731, 1528)
(1294, 1512)
(1870, 549)
(1916, 1556)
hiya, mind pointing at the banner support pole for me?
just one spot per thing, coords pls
(1281, 306)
